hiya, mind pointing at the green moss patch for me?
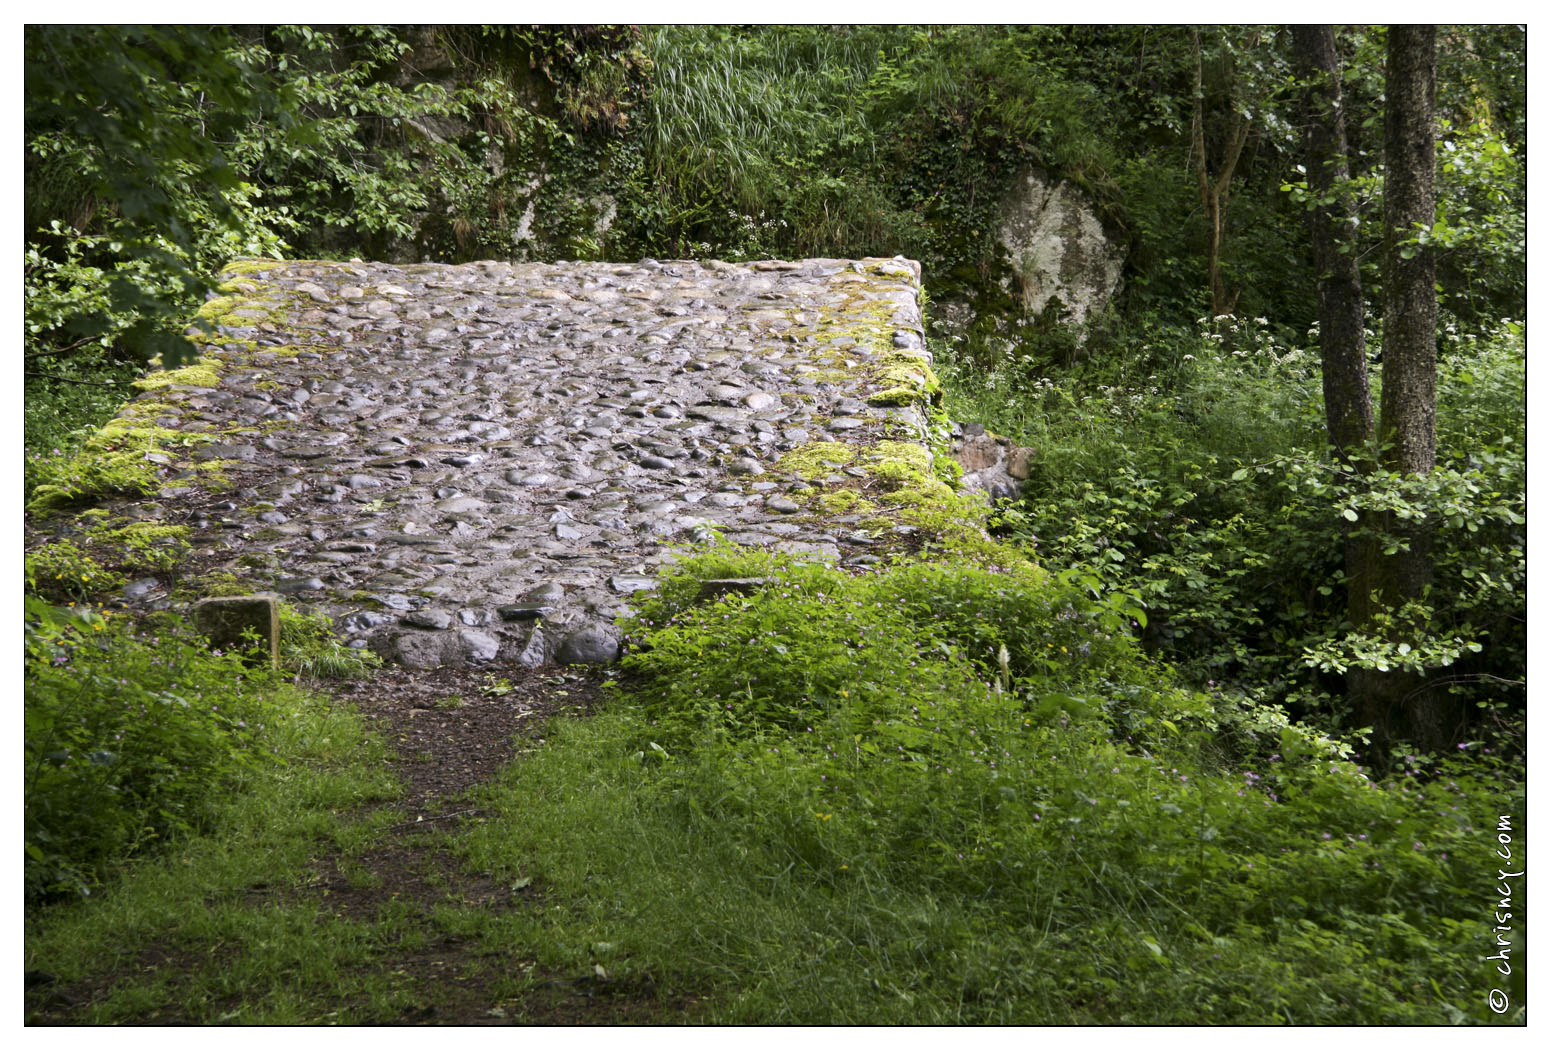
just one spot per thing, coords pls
(844, 502)
(203, 373)
(816, 459)
(132, 453)
(127, 456)
(907, 379)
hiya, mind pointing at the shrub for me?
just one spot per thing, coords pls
(1206, 491)
(129, 740)
(971, 787)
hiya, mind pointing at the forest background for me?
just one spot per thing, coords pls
(1183, 476)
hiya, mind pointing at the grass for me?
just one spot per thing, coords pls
(784, 838)
(676, 886)
(211, 930)
(888, 818)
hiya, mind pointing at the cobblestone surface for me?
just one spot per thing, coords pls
(481, 463)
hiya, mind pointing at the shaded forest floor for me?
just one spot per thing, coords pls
(451, 730)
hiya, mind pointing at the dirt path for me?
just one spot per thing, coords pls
(451, 730)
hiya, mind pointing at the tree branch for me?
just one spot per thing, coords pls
(66, 379)
(61, 350)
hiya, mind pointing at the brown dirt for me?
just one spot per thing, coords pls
(451, 729)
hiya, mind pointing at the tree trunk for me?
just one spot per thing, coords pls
(1333, 223)
(1214, 191)
(1332, 232)
(1410, 301)
(1398, 705)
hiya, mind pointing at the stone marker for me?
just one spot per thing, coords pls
(224, 621)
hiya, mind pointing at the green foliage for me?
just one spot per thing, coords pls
(264, 833)
(62, 571)
(818, 647)
(127, 455)
(1207, 491)
(102, 556)
(1479, 233)
(310, 649)
(938, 794)
(129, 740)
(136, 201)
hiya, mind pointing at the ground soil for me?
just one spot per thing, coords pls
(451, 730)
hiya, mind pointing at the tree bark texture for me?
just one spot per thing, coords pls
(1400, 705)
(1333, 235)
(1406, 411)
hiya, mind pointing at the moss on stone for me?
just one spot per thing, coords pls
(217, 584)
(203, 373)
(252, 266)
(816, 458)
(131, 454)
(143, 547)
(916, 483)
(104, 554)
(828, 376)
(895, 396)
(844, 502)
(119, 458)
(905, 463)
(908, 379)
(286, 350)
(146, 532)
(221, 310)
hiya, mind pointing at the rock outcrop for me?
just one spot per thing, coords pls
(993, 465)
(1058, 248)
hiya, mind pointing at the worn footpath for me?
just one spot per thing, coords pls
(477, 463)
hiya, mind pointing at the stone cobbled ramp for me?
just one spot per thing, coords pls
(482, 462)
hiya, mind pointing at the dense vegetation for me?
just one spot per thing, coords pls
(1105, 769)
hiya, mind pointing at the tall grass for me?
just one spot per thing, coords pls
(732, 110)
(968, 819)
(211, 929)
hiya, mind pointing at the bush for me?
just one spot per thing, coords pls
(853, 800)
(129, 740)
(815, 645)
(1206, 490)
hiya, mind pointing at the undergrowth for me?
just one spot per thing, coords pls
(207, 928)
(137, 735)
(949, 795)
(1205, 487)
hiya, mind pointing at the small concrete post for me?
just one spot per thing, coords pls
(224, 620)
